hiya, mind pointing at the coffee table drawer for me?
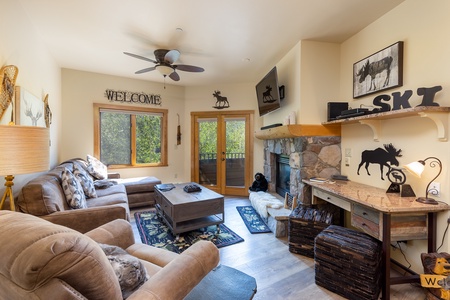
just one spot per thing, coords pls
(164, 205)
(199, 209)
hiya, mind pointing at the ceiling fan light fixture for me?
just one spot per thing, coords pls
(164, 70)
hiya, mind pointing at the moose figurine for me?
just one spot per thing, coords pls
(221, 101)
(383, 157)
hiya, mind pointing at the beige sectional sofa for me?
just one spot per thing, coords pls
(44, 197)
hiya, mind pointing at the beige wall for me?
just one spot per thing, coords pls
(240, 97)
(424, 27)
(38, 72)
(80, 90)
(309, 72)
(319, 70)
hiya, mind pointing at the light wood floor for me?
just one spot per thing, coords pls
(279, 273)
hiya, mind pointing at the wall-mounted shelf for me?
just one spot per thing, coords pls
(292, 131)
(439, 115)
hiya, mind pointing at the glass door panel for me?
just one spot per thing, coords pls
(235, 152)
(207, 151)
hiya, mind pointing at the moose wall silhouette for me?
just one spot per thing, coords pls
(384, 157)
(221, 102)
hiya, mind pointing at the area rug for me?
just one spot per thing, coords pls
(224, 283)
(155, 232)
(252, 219)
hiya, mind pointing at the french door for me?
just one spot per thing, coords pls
(222, 151)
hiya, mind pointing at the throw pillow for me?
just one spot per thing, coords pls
(104, 184)
(129, 270)
(73, 190)
(85, 179)
(96, 168)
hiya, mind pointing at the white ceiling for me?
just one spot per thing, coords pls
(220, 36)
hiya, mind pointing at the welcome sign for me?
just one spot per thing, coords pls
(133, 97)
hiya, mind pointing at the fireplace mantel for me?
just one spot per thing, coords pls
(292, 131)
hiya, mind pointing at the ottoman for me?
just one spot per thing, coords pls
(348, 263)
(305, 223)
(140, 190)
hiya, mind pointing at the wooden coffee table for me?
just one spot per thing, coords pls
(183, 211)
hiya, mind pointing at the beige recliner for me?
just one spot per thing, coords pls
(42, 260)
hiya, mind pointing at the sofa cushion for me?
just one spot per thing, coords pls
(85, 180)
(43, 195)
(139, 184)
(115, 194)
(73, 190)
(96, 168)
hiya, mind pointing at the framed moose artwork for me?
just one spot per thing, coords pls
(380, 71)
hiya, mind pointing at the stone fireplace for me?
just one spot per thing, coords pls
(317, 156)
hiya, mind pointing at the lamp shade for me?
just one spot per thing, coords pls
(416, 168)
(24, 149)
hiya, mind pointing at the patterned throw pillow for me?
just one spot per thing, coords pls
(96, 168)
(129, 270)
(73, 190)
(86, 181)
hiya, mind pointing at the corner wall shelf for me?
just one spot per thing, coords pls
(298, 130)
(439, 115)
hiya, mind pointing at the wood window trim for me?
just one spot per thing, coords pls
(164, 149)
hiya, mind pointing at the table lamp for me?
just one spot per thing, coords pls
(416, 168)
(24, 149)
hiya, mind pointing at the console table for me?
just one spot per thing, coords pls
(385, 216)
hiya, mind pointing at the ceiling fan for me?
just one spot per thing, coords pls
(164, 60)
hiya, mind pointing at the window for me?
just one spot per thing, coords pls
(130, 136)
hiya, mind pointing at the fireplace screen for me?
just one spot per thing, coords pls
(283, 175)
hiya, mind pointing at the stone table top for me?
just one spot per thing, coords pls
(376, 198)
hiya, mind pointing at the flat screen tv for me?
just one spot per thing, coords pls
(267, 93)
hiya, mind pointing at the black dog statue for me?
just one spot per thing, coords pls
(260, 184)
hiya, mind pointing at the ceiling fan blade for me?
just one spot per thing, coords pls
(145, 70)
(172, 56)
(140, 57)
(188, 68)
(174, 76)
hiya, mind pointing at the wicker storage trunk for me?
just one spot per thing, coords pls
(305, 223)
(348, 263)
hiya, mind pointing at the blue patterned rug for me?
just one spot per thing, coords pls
(155, 233)
(252, 219)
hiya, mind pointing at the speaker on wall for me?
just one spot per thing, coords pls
(335, 109)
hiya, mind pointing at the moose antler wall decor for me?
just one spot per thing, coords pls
(221, 101)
